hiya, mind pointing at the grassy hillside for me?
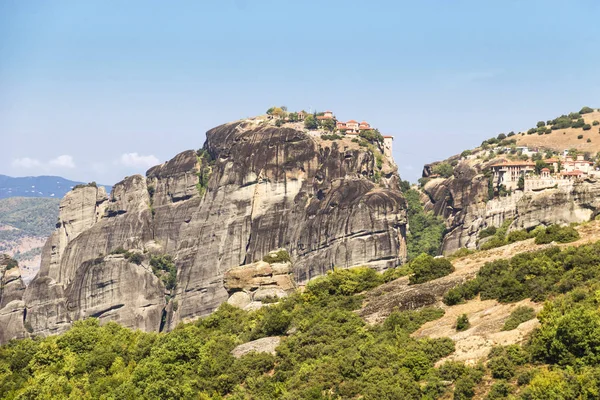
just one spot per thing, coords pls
(25, 223)
(583, 135)
(32, 216)
(328, 352)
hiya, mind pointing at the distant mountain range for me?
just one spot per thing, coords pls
(37, 186)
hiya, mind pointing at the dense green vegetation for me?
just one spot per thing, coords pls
(535, 275)
(542, 235)
(33, 216)
(205, 163)
(518, 316)
(30, 216)
(426, 268)
(426, 230)
(329, 353)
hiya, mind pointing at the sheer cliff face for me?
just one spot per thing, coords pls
(265, 188)
(462, 200)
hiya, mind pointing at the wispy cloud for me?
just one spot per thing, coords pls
(61, 162)
(64, 161)
(26, 163)
(138, 161)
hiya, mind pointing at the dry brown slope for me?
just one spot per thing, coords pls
(486, 317)
(562, 139)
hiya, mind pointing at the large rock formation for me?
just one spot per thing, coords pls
(252, 189)
(12, 308)
(462, 200)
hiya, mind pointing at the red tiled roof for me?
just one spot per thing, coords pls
(388, 137)
(351, 121)
(323, 117)
(545, 169)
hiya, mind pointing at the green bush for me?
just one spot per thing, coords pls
(466, 153)
(426, 268)
(518, 316)
(557, 233)
(372, 136)
(595, 123)
(462, 323)
(278, 256)
(578, 124)
(134, 257)
(426, 230)
(587, 127)
(164, 268)
(579, 136)
(499, 390)
(310, 122)
(517, 236)
(444, 170)
(586, 110)
(489, 231)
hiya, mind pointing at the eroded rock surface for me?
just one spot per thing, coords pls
(462, 200)
(12, 308)
(252, 189)
(258, 282)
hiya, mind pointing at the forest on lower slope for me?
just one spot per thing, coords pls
(328, 352)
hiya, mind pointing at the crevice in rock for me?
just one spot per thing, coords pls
(100, 313)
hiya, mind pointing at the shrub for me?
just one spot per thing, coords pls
(134, 257)
(578, 124)
(462, 323)
(518, 316)
(501, 136)
(278, 256)
(589, 140)
(517, 236)
(579, 136)
(371, 135)
(12, 263)
(531, 131)
(426, 268)
(466, 153)
(595, 123)
(587, 127)
(540, 124)
(279, 122)
(586, 110)
(459, 294)
(499, 390)
(489, 231)
(557, 233)
(310, 122)
(444, 169)
(164, 268)
(344, 282)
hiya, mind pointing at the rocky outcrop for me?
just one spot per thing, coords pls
(250, 285)
(263, 345)
(12, 307)
(252, 189)
(462, 200)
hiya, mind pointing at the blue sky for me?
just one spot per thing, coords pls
(96, 90)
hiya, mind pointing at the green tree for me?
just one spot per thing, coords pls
(521, 183)
(328, 124)
(426, 268)
(443, 169)
(462, 323)
(310, 122)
